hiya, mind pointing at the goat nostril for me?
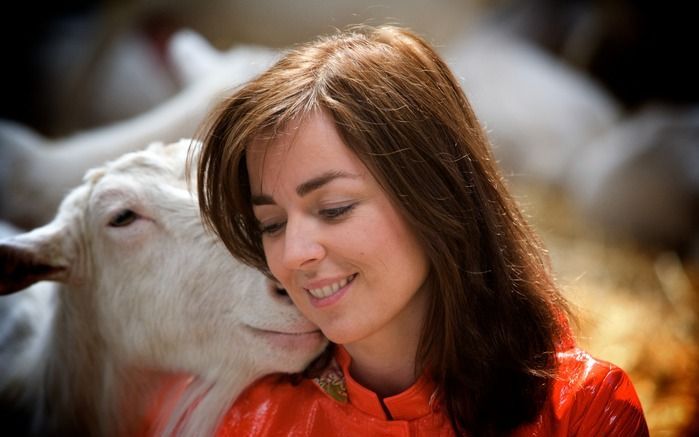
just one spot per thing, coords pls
(282, 295)
(276, 290)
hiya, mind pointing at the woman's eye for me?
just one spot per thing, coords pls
(272, 228)
(333, 213)
(123, 218)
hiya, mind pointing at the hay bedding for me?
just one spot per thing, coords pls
(637, 307)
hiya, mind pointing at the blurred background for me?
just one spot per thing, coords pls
(592, 108)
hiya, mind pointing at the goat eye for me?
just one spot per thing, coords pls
(123, 218)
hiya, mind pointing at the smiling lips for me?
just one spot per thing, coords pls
(328, 290)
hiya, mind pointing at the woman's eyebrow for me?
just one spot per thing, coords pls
(319, 181)
(306, 187)
(262, 199)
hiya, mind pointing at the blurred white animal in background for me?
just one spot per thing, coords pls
(539, 113)
(36, 172)
(635, 176)
(144, 290)
(641, 178)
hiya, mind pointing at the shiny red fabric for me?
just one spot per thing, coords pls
(589, 398)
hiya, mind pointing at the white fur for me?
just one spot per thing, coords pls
(160, 293)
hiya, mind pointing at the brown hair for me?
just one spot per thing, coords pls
(494, 315)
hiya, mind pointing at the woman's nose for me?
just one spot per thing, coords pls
(302, 248)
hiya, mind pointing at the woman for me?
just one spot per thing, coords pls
(355, 172)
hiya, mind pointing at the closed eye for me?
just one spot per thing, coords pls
(271, 228)
(333, 213)
(123, 218)
(326, 213)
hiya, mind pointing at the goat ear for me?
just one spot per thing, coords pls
(192, 55)
(20, 267)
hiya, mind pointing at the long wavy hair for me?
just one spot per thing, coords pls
(495, 316)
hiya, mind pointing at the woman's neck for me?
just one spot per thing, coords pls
(385, 362)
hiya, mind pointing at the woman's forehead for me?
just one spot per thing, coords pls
(305, 148)
(316, 131)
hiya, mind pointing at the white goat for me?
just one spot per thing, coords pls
(145, 289)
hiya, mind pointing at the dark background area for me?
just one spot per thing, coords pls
(641, 51)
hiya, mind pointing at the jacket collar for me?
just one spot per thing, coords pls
(415, 402)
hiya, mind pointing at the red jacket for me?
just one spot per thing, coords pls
(589, 398)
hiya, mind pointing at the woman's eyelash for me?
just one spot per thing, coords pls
(332, 213)
(271, 228)
(327, 213)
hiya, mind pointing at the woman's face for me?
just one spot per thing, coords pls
(332, 237)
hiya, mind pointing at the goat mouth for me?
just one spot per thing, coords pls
(275, 332)
(298, 340)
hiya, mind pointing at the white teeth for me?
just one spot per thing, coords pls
(326, 291)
